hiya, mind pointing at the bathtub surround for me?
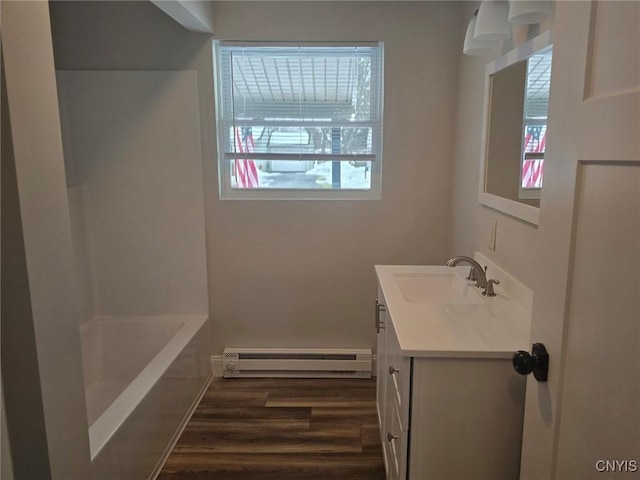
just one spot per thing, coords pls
(144, 377)
(134, 172)
(134, 175)
(116, 353)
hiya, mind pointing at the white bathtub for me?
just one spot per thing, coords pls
(143, 376)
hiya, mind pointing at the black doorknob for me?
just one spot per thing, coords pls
(536, 362)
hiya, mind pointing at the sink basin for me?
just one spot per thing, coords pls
(444, 287)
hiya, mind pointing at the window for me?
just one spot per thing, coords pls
(534, 136)
(299, 121)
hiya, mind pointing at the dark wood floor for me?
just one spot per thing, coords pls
(264, 429)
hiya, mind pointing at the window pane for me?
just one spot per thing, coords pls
(532, 173)
(300, 82)
(536, 102)
(291, 140)
(278, 174)
(535, 138)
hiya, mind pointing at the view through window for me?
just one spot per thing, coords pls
(534, 138)
(295, 119)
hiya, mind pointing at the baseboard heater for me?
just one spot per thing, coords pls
(296, 362)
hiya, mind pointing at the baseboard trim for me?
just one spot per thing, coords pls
(216, 366)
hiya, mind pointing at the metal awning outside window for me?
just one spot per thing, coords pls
(304, 93)
(538, 85)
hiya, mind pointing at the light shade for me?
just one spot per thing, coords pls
(492, 23)
(473, 46)
(528, 11)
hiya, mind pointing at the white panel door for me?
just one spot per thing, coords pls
(585, 421)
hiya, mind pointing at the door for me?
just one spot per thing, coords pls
(585, 421)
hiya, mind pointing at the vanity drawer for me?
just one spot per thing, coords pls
(396, 439)
(399, 376)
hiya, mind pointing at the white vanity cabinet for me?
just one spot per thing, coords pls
(446, 415)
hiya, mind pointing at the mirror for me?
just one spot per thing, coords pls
(515, 128)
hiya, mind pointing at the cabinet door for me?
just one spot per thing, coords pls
(466, 419)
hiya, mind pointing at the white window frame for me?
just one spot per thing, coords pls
(227, 192)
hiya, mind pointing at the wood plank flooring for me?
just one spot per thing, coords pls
(267, 429)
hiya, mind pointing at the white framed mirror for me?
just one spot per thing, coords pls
(514, 129)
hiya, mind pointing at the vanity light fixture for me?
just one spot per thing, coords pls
(473, 46)
(492, 23)
(528, 11)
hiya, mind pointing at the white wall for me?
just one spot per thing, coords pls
(301, 273)
(6, 467)
(6, 463)
(41, 359)
(516, 241)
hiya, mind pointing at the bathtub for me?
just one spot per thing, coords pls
(143, 376)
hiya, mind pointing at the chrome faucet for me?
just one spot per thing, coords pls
(477, 273)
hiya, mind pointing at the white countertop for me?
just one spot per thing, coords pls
(494, 328)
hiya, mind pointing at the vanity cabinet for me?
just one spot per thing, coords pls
(446, 415)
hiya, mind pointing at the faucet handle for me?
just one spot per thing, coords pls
(488, 291)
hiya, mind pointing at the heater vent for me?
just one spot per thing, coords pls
(288, 362)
